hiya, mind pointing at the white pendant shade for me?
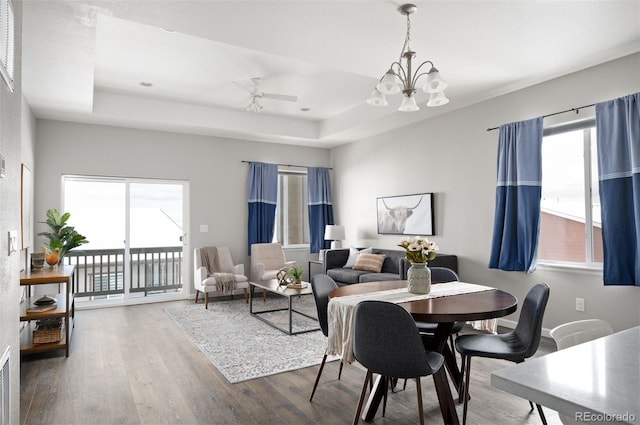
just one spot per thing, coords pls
(377, 98)
(408, 104)
(437, 99)
(390, 83)
(434, 82)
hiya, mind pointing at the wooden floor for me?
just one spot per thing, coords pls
(132, 365)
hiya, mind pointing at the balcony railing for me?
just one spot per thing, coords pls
(100, 272)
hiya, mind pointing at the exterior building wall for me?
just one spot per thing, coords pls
(562, 239)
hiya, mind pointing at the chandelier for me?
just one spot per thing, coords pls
(399, 77)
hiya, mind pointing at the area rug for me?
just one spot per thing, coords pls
(242, 347)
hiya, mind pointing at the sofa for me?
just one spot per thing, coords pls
(394, 267)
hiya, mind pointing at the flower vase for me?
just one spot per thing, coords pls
(419, 278)
(52, 258)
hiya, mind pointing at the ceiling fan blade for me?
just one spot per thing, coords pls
(284, 97)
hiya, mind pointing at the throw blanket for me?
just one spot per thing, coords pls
(340, 311)
(225, 282)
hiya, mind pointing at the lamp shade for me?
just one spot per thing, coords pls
(377, 98)
(408, 104)
(390, 83)
(434, 82)
(334, 232)
(437, 99)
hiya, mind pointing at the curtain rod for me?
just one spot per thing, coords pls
(286, 165)
(555, 113)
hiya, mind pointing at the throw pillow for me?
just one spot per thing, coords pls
(353, 254)
(369, 262)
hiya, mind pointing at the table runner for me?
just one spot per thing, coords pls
(340, 311)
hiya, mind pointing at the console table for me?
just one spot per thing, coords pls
(64, 307)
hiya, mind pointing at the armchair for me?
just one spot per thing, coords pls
(204, 282)
(266, 260)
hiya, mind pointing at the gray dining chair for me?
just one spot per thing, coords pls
(516, 346)
(439, 275)
(321, 285)
(386, 341)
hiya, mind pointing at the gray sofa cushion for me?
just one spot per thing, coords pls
(377, 277)
(345, 275)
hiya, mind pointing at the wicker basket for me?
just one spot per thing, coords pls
(44, 334)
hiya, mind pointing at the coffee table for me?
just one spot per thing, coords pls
(274, 287)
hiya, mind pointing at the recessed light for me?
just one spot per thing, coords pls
(145, 84)
(168, 30)
(305, 109)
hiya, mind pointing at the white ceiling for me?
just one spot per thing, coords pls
(84, 60)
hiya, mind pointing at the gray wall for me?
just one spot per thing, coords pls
(453, 153)
(212, 166)
(10, 265)
(454, 156)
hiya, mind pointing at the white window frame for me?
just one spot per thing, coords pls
(589, 265)
(7, 42)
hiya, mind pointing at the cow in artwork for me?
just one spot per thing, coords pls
(394, 219)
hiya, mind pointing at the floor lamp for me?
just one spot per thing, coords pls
(335, 234)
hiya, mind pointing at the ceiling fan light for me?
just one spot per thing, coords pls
(437, 99)
(390, 83)
(254, 107)
(408, 104)
(434, 83)
(377, 98)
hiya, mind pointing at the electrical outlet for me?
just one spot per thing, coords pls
(579, 304)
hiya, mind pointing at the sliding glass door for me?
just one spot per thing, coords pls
(137, 238)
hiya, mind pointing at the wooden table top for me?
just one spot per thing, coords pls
(464, 307)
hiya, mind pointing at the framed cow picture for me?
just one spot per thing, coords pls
(406, 215)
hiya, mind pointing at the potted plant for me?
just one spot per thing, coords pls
(62, 237)
(296, 274)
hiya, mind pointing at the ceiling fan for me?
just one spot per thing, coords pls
(256, 94)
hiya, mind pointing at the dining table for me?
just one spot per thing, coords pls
(596, 382)
(446, 304)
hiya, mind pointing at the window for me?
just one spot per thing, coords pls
(570, 225)
(6, 42)
(292, 215)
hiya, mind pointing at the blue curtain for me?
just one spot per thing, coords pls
(518, 191)
(263, 198)
(320, 207)
(618, 130)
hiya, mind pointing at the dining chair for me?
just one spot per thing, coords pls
(386, 341)
(321, 285)
(516, 346)
(574, 333)
(440, 275)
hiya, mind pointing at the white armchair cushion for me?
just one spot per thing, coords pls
(205, 283)
(266, 260)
